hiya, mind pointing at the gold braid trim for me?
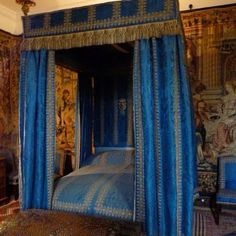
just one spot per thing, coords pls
(105, 36)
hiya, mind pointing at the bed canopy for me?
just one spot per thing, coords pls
(164, 175)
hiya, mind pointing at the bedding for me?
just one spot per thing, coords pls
(103, 186)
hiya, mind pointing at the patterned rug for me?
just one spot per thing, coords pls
(204, 224)
(53, 223)
(43, 223)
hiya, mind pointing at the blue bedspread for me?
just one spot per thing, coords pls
(103, 187)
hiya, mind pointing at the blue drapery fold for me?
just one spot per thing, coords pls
(77, 127)
(164, 133)
(86, 117)
(36, 100)
(113, 112)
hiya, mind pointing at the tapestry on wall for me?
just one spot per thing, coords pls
(211, 60)
(9, 67)
(66, 89)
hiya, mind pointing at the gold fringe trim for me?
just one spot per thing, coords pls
(105, 36)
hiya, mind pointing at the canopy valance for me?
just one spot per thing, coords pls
(108, 23)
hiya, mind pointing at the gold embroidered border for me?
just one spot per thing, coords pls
(50, 125)
(106, 36)
(178, 143)
(157, 133)
(139, 198)
(110, 211)
(71, 206)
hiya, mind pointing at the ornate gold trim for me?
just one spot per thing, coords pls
(142, 16)
(106, 36)
(50, 126)
(139, 197)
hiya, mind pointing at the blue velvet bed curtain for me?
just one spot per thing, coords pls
(164, 137)
(86, 117)
(37, 128)
(113, 111)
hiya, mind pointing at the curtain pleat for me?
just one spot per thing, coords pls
(166, 155)
(77, 127)
(86, 117)
(34, 157)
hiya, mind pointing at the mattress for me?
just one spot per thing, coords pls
(104, 186)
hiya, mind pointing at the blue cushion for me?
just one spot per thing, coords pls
(230, 184)
(230, 171)
(226, 196)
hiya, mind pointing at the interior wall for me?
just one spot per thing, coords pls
(211, 61)
(9, 74)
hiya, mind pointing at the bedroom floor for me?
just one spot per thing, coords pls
(62, 223)
(47, 223)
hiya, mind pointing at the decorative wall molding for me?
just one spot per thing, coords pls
(209, 17)
(10, 21)
(199, 4)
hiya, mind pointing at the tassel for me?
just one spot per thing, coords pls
(105, 36)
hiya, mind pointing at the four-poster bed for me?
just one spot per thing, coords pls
(157, 177)
(103, 183)
(103, 187)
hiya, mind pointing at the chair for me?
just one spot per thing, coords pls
(11, 173)
(226, 194)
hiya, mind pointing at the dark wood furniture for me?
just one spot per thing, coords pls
(3, 181)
